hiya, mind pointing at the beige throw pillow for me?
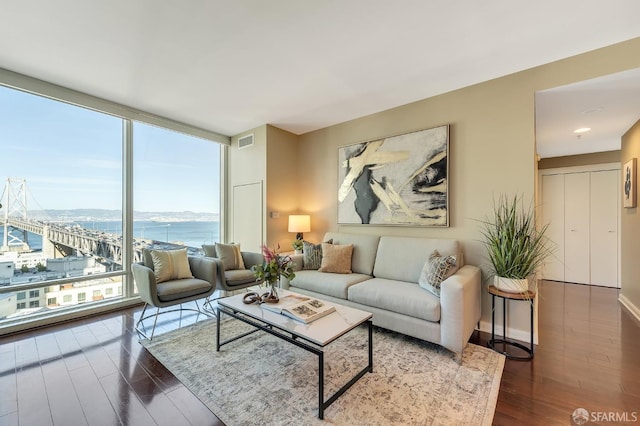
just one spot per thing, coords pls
(170, 265)
(336, 258)
(230, 256)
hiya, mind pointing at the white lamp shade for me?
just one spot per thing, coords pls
(299, 223)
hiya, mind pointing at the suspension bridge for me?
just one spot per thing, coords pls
(60, 239)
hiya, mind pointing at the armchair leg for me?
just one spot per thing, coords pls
(140, 325)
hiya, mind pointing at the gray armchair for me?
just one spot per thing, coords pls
(231, 278)
(175, 292)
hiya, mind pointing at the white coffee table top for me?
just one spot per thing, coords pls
(321, 331)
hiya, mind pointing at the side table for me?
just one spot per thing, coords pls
(527, 297)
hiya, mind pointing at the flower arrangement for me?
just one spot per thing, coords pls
(275, 265)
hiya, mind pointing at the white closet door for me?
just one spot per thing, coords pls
(576, 237)
(553, 215)
(604, 227)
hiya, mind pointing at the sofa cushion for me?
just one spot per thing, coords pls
(365, 248)
(336, 258)
(170, 265)
(179, 289)
(396, 296)
(402, 258)
(435, 270)
(335, 285)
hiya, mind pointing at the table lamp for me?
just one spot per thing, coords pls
(299, 223)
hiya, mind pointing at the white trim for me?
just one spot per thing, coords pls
(633, 309)
(90, 309)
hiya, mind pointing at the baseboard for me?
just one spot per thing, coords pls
(633, 309)
(512, 333)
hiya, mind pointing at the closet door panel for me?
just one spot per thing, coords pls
(604, 228)
(577, 239)
(553, 215)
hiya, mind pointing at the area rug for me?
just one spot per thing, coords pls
(262, 380)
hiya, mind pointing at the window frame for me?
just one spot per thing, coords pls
(128, 115)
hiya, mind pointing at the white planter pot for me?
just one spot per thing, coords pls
(511, 285)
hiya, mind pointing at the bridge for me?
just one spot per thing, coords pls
(61, 239)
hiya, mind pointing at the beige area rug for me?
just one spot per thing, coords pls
(262, 380)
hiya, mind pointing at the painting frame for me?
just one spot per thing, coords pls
(629, 184)
(399, 180)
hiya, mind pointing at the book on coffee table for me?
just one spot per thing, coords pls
(300, 308)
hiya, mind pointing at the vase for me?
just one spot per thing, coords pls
(511, 285)
(272, 295)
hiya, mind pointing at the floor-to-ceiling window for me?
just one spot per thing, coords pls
(64, 188)
(176, 189)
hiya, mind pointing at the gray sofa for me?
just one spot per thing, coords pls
(384, 282)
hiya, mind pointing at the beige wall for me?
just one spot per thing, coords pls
(630, 230)
(282, 186)
(580, 160)
(492, 149)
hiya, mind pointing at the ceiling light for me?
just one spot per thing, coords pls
(582, 130)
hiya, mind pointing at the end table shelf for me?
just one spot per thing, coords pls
(527, 297)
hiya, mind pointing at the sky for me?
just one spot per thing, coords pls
(71, 158)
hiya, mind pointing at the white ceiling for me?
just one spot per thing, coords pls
(608, 105)
(229, 66)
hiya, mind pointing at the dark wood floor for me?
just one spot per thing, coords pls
(94, 371)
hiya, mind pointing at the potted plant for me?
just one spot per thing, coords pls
(297, 246)
(275, 265)
(515, 246)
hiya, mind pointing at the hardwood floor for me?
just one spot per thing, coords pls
(93, 371)
(587, 357)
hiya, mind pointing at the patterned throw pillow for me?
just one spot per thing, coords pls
(435, 270)
(170, 265)
(336, 258)
(311, 255)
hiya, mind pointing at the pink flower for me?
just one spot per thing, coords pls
(268, 254)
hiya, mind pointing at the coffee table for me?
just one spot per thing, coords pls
(312, 337)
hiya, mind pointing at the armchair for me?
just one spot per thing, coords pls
(175, 291)
(232, 273)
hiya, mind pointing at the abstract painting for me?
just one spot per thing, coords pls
(398, 180)
(629, 183)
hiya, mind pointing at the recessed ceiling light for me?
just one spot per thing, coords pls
(582, 130)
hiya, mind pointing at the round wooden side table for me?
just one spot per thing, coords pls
(526, 297)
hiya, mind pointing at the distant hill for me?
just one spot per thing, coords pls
(103, 215)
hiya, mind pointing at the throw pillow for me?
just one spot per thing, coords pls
(312, 255)
(435, 270)
(170, 265)
(230, 256)
(336, 258)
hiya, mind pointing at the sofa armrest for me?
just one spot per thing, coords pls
(146, 282)
(460, 303)
(204, 268)
(298, 259)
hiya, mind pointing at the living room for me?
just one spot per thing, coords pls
(492, 144)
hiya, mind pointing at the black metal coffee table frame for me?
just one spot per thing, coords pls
(301, 342)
